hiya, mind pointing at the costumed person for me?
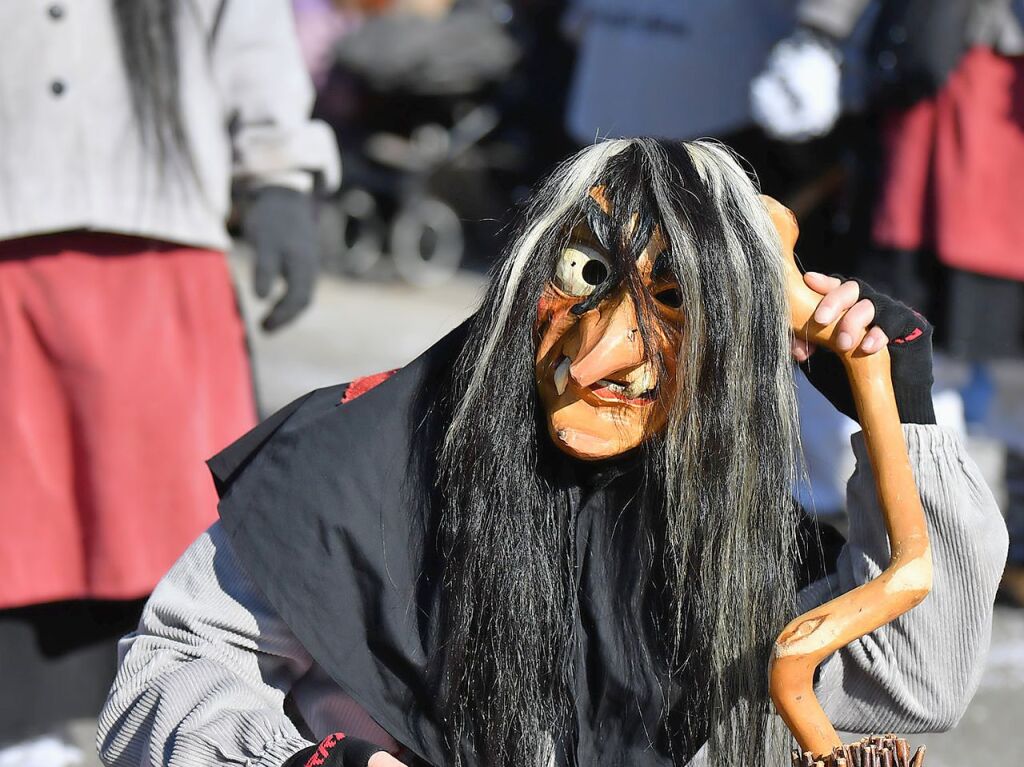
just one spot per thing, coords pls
(565, 535)
(950, 84)
(123, 124)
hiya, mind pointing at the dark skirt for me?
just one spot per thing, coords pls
(57, 662)
(985, 317)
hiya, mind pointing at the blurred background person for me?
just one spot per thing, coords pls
(669, 68)
(947, 230)
(123, 361)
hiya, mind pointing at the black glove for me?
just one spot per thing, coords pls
(910, 352)
(335, 750)
(278, 224)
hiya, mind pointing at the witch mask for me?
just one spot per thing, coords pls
(608, 338)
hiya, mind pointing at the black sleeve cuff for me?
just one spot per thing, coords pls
(915, 404)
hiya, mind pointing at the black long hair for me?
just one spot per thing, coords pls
(715, 502)
(148, 33)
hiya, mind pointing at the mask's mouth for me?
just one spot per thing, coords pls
(637, 387)
(612, 391)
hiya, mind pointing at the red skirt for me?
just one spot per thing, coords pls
(123, 366)
(954, 173)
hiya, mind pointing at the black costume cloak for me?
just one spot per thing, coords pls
(330, 508)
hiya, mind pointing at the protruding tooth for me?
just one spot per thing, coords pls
(641, 384)
(562, 375)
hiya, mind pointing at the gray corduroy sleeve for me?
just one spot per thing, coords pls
(918, 673)
(202, 681)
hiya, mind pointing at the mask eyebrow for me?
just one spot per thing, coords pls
(583, 234)
(662, 268)
(643, 226)
(600, 224)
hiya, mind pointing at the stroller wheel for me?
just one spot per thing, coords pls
(426, 241)
(351, 233)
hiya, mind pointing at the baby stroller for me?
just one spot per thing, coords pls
(414, 103)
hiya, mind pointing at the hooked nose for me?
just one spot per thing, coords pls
(609, 342)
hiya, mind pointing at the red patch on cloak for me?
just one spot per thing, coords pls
(360, 386)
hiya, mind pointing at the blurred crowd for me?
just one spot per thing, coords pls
(138, 136)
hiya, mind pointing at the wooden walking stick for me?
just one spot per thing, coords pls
(816, 634)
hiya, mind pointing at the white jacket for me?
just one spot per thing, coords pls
(70, 152)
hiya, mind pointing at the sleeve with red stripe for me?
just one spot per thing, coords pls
(336, 750)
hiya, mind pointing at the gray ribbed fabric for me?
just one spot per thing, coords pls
(203, 680)
(918, 673)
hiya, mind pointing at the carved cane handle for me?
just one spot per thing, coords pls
(816, 634)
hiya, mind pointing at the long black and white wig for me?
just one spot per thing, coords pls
(716, 504)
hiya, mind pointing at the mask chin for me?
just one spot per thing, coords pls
(589, 431)
(588, 446)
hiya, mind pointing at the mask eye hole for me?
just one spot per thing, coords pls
(669, 297)
(580, 270)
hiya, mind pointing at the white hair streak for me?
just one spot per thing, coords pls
(721, 169)
(569, 183)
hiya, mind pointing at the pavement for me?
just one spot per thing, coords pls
(353, 328)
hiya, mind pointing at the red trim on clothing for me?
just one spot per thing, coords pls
(323, 751)
(360, 386)
(914, 334)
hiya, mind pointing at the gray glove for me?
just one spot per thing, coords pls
(278, 224)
